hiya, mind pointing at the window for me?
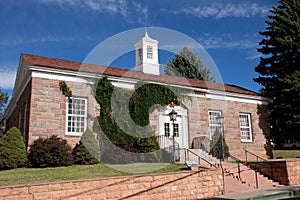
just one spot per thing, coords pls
(76, 115)
(245, 127)
(167, 129)
(140, 52)
(176, 132)
(212, 120)
(149, 52)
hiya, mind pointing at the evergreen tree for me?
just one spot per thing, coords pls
(12, 150)
(216, 146)
(87, 151)
(279, 70)
(187, 64)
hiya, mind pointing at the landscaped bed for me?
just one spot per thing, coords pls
(75, 172)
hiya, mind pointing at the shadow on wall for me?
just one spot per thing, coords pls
(264, 124)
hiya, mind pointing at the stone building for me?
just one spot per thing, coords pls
(39, 109)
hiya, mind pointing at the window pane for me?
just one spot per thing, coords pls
(167, 129)
(76, 115)
(245, 127)
(176, 131)
(213, 123)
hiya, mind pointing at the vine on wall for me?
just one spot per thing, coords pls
(65, 89)
(139, 136)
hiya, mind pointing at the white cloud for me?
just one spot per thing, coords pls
(7, 79)
(49, 38)
(141, 11)
(213, 41)
(222, 9)
(129, 10)
(111, 6)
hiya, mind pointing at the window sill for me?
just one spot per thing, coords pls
(73, 134)
(246, 141)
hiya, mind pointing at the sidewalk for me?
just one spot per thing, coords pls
(279, 192)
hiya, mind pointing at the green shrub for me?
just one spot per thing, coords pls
(216, 146)
(50, 152)
(12, 150)
(87, 151)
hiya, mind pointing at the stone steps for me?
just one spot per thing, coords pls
(247, 180)
(203, 155)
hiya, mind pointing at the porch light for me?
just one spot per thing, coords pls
(173, 115)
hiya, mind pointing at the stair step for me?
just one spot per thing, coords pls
(247, 182)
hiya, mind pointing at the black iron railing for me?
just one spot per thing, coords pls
(256, 156)
(260, 159)
(238, 161)
(187, 157)
(167, 144)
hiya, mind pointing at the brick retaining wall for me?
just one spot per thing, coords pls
(286, 172)
(181, 185)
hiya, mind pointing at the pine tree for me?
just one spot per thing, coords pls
(87, 151)
(217, 147)
(187, 64)
(279, 69)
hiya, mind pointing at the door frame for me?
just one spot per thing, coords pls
(182, 114)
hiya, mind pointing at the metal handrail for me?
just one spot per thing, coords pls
(271, 166)
(257, 157)
(238, 162)
(239, 170)
(200, 158)
(166, 143)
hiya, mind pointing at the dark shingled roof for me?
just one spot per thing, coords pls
(54, 63)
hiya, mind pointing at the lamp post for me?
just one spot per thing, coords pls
(220, 121)
(173, 115)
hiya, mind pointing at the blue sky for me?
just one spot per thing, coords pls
(70, 29)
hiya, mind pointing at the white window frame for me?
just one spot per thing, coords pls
(149, 52)
(245, 127)
(76, 115)
(212, 121)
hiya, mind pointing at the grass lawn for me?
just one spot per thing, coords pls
(286, 154)
(30, 175)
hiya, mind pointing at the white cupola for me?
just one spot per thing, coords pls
(146, 55)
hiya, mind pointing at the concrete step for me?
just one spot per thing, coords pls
(203, 155)
(247, 180)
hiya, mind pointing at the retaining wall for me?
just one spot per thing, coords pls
(183, 185)
(286, 172)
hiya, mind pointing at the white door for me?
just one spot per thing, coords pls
(179, 129)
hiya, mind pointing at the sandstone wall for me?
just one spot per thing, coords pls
(286, 172)
(183, 185)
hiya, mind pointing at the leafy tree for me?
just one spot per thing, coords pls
(187, 64)
(3, 100)
(12, 150)
(279, 69)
